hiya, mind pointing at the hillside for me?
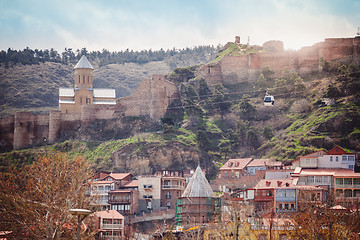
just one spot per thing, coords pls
(210, 124)
(32, 83)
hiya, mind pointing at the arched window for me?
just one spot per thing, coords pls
(88, 79)
(80, 100)
(83, 78)
(79, 78)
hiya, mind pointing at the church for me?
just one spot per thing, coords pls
(72, 100)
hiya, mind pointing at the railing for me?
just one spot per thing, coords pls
(285, 199)
(172, 187)
(112, 226)
(113, 201)
(264, 198)
(342, 198)
(338, 185)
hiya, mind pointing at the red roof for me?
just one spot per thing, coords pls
(113, 214)
(116, 176)
(236, 164)
(133, 183)
(264, 162)
(274, 183)
(337, 151)
(336, 172)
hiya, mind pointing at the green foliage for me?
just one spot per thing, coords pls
(180, 75)
(267, 132)
(220, 100)
(203, 89)
(332, 92)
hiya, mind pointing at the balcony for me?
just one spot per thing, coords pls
(285, 199)
(112, 226)
(177, 187)
(264, 198)
(119, 201)
(338, 185)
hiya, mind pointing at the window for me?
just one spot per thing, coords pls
(337, 158)
(79, 78)
(168, 196)
(310, 179)
(168, 205)
(83, 78)
(331, 158)
(292, 206)
(318, 179)
(88, 80)
(80, 100)
(88, 101)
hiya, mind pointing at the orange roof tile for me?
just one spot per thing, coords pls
(133, 183)
(236, 164)
(109, 214)
(274, 183)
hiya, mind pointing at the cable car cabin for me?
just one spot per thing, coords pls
(269, 100)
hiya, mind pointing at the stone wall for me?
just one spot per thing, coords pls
(150, 99)
(236, 69)
(30, 129)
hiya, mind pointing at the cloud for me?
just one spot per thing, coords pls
(138, 25)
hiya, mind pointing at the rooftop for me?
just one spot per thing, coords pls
(83, 63)
(274, 183)
(113, 214)
(198, 186)
(336, 172)
(237, 164)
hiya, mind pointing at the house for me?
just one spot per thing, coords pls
(105, 182)
(311, 194)
(234, 168)
(197, 204)
(172, 186)
(278, 195)
(110, 224)
(335, 158)
(160, 191)
(125, 201)
(72, 100)
(262, 164)
(343, 183)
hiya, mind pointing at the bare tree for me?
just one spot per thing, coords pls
(35, 201)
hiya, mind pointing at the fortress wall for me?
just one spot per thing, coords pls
(30, 129)
(151, 98)
(211, 72)
(338, 49)
(6, 133)
(309, 59)
(234, 69)
(278, 61)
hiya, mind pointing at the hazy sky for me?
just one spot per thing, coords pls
(154, 24)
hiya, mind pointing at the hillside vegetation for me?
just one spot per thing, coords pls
(32, 77)
(210, 124)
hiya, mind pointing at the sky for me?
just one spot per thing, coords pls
(118, 25)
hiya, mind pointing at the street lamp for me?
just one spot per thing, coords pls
(82, 214)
